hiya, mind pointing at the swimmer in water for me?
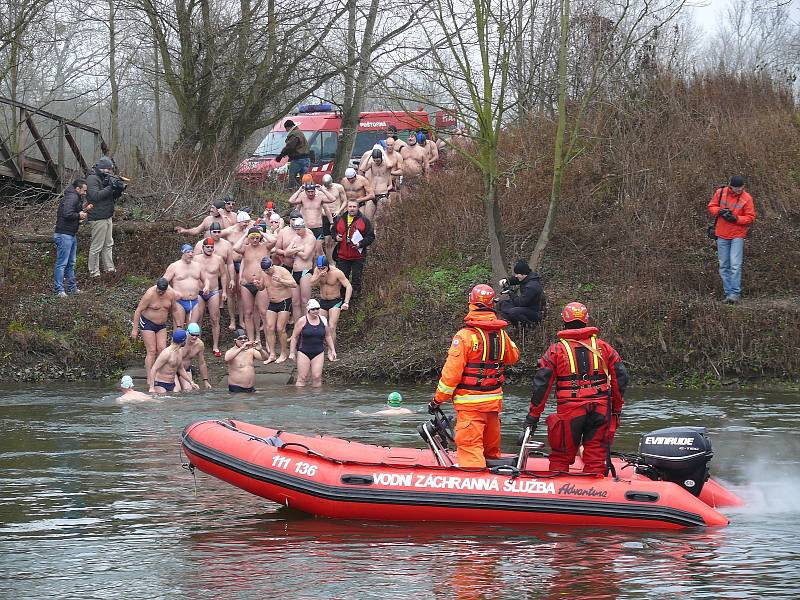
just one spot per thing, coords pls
(393, 408)
(129, 394)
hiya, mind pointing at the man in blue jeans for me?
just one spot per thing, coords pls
(734, 213)
(68, 219)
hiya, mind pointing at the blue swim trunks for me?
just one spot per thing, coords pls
(188, 305)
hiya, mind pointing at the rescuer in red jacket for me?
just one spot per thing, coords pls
(589, 375)
(473, 377)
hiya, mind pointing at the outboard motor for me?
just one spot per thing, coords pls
(677, 454)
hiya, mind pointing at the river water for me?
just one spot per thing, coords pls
(94, 504)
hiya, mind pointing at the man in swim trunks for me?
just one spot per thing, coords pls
(150, 318)
(429, 146)
(214, 214)
(224, 249)
(216, 273)
(331, 280)
(357, 187)
(187, 279)
(252, 248)
(380, 178)
(393, 136)
(415, 162)
(279, 285)
(332, 210)
(301, 248)
(194, 347)
(168, 365)
(311, 197)
(240, 360)
(233, 234)
(394, 162)
(129, 394)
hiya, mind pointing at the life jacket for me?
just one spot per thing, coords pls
(488, 372)
(585, 381)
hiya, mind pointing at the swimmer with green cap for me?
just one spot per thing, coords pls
(129, 394)
(393, 407)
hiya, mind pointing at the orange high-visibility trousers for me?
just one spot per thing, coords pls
(477, 437)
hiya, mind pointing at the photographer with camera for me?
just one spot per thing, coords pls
(103, 190)
(525, 305)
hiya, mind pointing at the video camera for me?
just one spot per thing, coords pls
(117, 183)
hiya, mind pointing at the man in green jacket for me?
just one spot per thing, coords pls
(296, 148)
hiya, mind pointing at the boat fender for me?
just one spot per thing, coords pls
(641, 496)
(357, 479)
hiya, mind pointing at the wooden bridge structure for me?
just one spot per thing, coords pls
(45, 149)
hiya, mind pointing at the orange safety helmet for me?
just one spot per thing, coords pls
(575, 311)
(307, 178)
(482, 295)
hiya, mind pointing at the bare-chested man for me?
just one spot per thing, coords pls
(331, 280)
(275, 224)
(311, 197)
(301, 248)
(214, 215)
(357, 187)
(187, 279)
(380, 178)
(338, 206)
(229, 213)
(194, 347)
(168, 365)
(233, 234)
(391, 134)
(279, 284)
(430, 147)
(216, 273)
(394, 160)
(151, 319)
(252, 248)
(415, 161)
(240, 360)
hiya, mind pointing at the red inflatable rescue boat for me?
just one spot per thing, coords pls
(331, 477)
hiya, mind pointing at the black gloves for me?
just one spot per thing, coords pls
(726, 214)
(433, 407)
(530, 422)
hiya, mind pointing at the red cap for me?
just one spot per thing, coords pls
(209, 241)
(269, 205)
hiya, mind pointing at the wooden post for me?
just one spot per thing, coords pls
(60, 167)
(21, 143)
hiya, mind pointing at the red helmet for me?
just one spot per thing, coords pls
(575, 311)
(482, 295)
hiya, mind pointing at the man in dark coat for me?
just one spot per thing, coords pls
(104, 189)
(525, 305)
(296, 148)
(68, 219)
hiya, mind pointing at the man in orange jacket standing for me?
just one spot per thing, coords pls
(473, 377)
(590, 380)
(734, 212)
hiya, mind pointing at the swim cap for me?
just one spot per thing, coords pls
(126, 382)
(254, 230)
(209, 241)
(218, 204)
(274, 218)
(310, 186)
(376, 153)
(263, 226)
(322, 261)
(162, 283)
(421, 137)
(242, 217)
(327, 180)
(382, 144)
(394, 399)
(266, 263)
(186, 248)
(216, 226)
(312, 304)
(298, 223)
(269, 206)
(193, 329)
(239, 333)
(295, 213)
(178, 336)
(307, 178)
(350, 173)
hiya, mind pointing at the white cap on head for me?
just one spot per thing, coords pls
(298, 223)
(126, 382)
(327, 180)
(274, 218)
(350, 173)
(312, 304)
(242, 217)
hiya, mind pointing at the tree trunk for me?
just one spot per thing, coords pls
(558, 146)
(112, 78)
(157, 99)
(494, 228)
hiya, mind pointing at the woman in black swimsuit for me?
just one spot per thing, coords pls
(311, 334)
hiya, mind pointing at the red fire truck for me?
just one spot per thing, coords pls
(322, 126)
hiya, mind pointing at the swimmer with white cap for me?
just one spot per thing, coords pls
(129, 394)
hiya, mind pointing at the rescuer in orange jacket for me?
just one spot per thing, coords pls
(473, 377)
(589, 375)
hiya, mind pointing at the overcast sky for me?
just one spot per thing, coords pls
(707, 12)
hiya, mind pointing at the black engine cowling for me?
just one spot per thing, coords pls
(677, 454)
